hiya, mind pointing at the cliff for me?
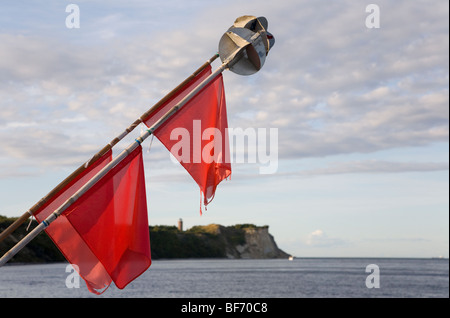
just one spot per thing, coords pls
(168, 242)
(257, 243)
(260, 244)
(238, 241)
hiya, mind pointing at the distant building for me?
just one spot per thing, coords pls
(180, 225)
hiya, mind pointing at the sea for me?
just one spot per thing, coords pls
(239, 278)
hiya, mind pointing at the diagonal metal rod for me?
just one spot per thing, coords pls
(21, 244)
(98, 155)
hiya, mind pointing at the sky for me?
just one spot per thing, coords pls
(359, 115)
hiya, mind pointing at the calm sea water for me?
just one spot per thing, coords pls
(300, 278)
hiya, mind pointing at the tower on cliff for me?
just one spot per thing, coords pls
(180, 225)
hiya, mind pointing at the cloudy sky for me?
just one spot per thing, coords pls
(361, 113)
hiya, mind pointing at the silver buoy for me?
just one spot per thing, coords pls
(246, 44)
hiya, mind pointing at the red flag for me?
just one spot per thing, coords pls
(65, 236)
(196, 135)
(105, 232)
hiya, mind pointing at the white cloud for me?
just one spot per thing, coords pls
(375, 166)
(313, 235)
(319, 238)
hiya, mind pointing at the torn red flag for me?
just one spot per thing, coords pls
(196, 135)
(105, 232)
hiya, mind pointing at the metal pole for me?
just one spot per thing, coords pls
(21, 244)
(97, 156)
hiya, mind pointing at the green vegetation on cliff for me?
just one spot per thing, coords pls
(167, 242)
(208, 241)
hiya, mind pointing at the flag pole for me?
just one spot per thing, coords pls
(52, 217)
(99, 154)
